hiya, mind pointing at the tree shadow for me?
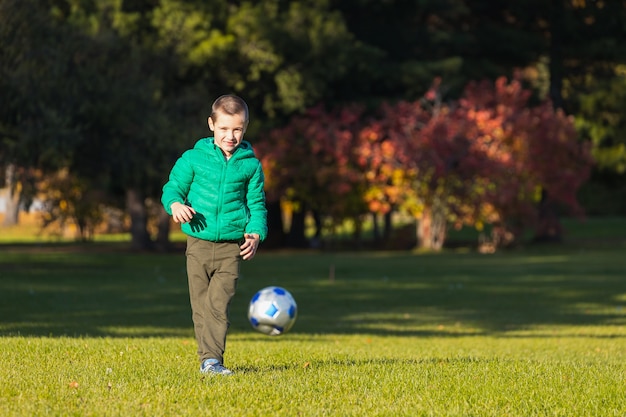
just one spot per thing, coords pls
(330, 364)
(120, 294)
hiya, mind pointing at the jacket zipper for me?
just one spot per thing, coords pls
(220, 199)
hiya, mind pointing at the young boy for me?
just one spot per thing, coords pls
(215, 191)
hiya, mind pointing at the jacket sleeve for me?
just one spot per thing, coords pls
(255, 198)
(177, 187)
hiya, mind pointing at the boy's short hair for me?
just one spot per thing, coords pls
(230, 104)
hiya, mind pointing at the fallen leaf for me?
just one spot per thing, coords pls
(74, 384)
(306, 365)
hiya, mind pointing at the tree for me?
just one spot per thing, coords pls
(79, 92)
(36, 131)
(132, 82)
(481, 160)
(600, 120)
(124, 151)
(290, 56)
(311, 164)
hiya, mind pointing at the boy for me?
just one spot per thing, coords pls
(215, 191)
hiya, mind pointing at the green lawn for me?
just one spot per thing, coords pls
(539, 331)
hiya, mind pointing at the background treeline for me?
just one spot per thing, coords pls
(452, 112)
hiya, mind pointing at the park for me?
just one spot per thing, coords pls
(97, 329)
(444, 184)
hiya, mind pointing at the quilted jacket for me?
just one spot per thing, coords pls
(227, 195)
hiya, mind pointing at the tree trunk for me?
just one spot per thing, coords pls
(316, 241)
(297, 238)
(275, 226)
(140, 238)
(548, 225)
(431, 229)
(387, 226)
(163, 230)
(549, 229)
(12, 207)
(376, 229)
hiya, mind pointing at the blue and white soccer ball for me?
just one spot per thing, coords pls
(272, 311)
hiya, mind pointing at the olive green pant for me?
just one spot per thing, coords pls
(212, 272)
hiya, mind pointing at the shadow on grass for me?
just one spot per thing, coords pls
(349, 363)
(112, 293)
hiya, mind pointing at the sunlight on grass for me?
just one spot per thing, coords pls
(317, 375)
(29, 231)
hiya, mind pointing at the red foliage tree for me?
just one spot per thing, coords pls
(485, 159)
(538, 153)
(310, 164)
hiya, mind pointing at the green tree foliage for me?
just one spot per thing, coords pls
(594, 91)
(36, 127)
(293, 55)
(460, 41)
(601, 119)
(81, 94)
(122, 118)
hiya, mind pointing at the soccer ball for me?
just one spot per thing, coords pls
(272, 311)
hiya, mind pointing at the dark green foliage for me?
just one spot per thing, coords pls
(37, 129)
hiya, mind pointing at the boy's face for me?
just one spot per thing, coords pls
(228, 131)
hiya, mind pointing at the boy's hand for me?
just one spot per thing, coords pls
(248, 248)
(182, 213)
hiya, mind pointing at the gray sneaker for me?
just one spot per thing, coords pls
(213, 366)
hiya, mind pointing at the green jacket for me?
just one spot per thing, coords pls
(228, 196)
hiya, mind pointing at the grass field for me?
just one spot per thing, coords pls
(541, 331)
